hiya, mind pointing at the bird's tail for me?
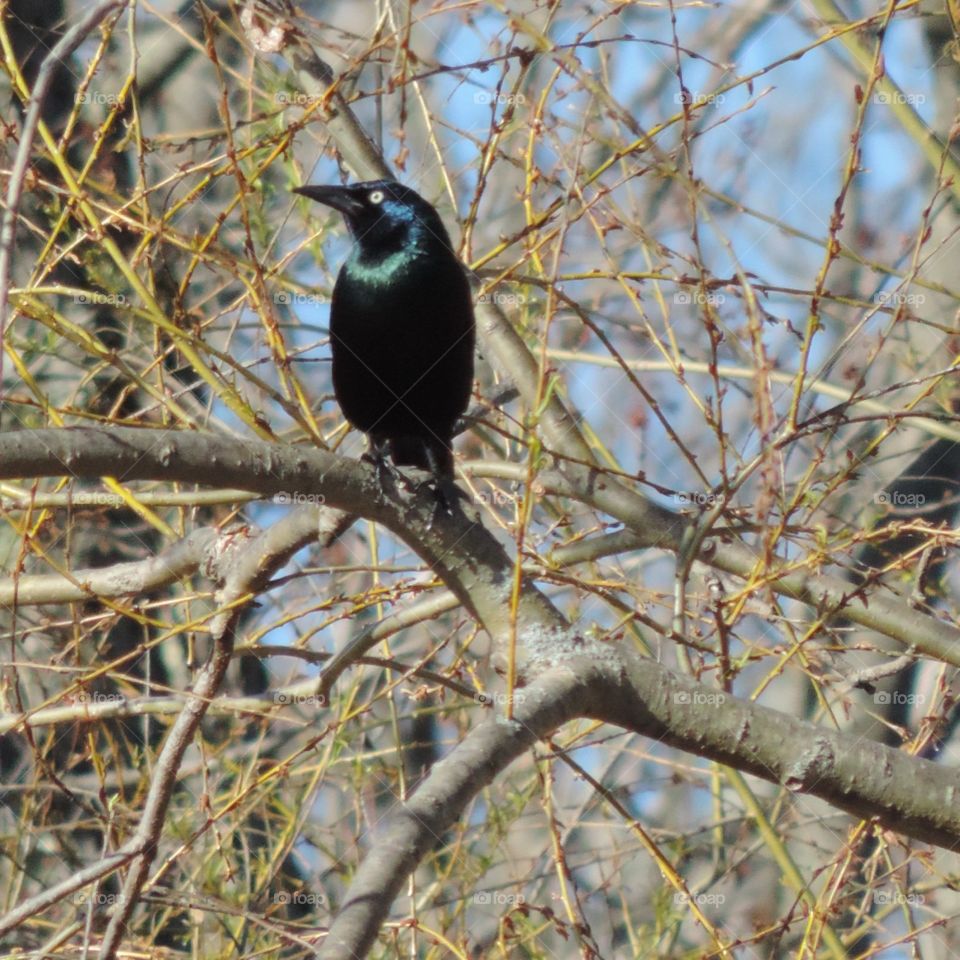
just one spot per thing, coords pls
(430, 454)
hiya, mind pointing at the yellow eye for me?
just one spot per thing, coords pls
(376, 196)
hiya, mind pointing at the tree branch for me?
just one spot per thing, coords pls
(867, 779)
(243, 566)
(118, 580)
(466, 556)
(63, 50)
(468, 559)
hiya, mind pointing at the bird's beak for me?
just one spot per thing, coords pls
(340, 198)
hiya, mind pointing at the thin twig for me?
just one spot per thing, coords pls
(61, 51)
(245, 567)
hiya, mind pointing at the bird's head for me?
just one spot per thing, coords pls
(382, 215)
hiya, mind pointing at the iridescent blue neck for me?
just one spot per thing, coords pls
(378, 266)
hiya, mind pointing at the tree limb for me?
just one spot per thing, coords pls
(867, 779)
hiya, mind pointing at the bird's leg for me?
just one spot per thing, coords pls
(445, 491)
(442, 504)
(377, 455)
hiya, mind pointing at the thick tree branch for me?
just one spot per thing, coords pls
(867, 779)
(461, 552)
(118, 580)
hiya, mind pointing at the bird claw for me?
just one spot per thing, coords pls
(445, 492)
(441, 502)
(384, 468)
(446, 496)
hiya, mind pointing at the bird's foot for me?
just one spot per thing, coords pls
(441, 507)
(446, 493)
(442, 504)
(446, 497)
(384, 467)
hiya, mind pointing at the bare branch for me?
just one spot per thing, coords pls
(461, 552)
(243, 566)
(119, 580)
(911, 796)
(63, 49)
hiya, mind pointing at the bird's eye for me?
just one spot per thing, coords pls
(376, 196)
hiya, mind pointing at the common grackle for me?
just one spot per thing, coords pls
(401, 325)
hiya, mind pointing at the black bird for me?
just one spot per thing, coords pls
(401, 325)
